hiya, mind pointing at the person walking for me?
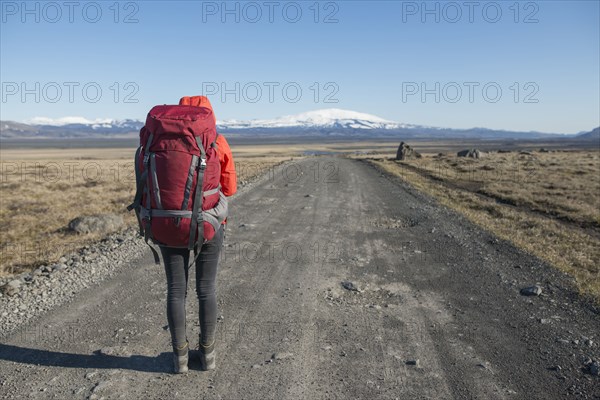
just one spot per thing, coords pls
(176, 262)
(171, 208)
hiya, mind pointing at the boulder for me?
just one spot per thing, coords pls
(11, 288)
(100, 223)
(471, 153)
(405, 152)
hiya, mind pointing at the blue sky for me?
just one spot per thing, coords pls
(506, 65)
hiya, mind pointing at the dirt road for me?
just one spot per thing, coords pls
(437, 312)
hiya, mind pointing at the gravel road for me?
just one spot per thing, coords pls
(336, 282)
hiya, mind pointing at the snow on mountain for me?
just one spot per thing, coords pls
(331, 122)
(327, 118)
(332, 118)
(97, 124)
(68, 121)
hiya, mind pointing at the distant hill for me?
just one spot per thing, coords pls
(112, 129)
(320, 123)
(593, 135)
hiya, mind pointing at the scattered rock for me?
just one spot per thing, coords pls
(101, 385)
(59, 267)
(534, 290)
(100, 223)
(77, 392)
(90, 375)
(106, 351)
(350, 286)
(11, 288)
(592, 367)
(281, 355)
(405, 152)
(471, 153)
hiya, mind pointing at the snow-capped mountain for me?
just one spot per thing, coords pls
(328, 118)
(328, 122)
(69, 127)
(98, 123)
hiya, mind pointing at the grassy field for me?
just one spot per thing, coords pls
(42, 190)
(547, 203)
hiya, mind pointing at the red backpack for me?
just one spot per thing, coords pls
(178, 201)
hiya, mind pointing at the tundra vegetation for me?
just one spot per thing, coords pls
(43, 190)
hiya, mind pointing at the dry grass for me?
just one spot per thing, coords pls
(42, 190)
(562, 184)
(544, 203)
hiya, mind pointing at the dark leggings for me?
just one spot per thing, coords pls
(176, 263)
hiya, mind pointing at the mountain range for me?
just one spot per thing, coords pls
(326, 122)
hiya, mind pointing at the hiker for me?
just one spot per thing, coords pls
(180, 220)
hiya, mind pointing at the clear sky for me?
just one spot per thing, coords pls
(505, 64)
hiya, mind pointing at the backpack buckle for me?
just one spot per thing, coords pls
(203, 163)
(146, 158)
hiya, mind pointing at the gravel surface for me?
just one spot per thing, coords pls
(365, 289)
(25, 297)
(52, 285)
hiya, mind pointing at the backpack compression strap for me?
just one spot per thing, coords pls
(141, 183)
(197, 222)
(148, 238)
